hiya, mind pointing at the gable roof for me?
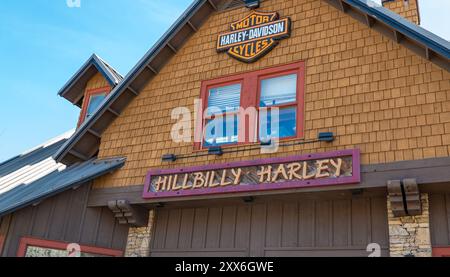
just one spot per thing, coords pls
(73, 90)
(85, 142)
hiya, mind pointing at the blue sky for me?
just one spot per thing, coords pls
(43, 42)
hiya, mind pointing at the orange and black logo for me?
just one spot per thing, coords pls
(254, 36)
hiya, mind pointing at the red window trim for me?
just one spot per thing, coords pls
(441, 251)
(29, 241)
(251, 83)
(87, 98)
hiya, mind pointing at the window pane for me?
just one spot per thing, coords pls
(221, 130)
(224, 99)
(287, 124)
(94, 103)
(279, 90)
(36, 251)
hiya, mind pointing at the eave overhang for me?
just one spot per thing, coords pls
(397, 28)
(73, 90)
(85, 142)
(55, 183)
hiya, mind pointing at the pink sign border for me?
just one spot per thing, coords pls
(355, 178)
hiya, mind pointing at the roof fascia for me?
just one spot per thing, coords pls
(130, 77)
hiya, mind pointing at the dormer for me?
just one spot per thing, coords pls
(90, 85)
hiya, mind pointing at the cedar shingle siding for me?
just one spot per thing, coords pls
(373, 93)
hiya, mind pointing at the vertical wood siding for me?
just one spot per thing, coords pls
(440, 219)
(304, 227)
(66, 218)
(4, 226)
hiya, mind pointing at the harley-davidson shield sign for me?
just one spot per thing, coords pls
(254, 36)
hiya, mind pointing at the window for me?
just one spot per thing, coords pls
(276, 96)
(221, 115)
(32, 247)
(92, 101)
(278, 92)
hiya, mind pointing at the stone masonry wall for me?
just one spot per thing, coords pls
(138, 244)
(410, 235)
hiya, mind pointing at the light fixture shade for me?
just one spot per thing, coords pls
(326, 136)
(216, 150)
(266, 142)
(252, 4)
(169, 158)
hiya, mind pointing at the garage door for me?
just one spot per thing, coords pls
(340, 226)
(440, 223)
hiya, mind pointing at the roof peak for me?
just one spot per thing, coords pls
(73, 90)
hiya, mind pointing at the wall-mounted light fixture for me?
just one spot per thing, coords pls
(326, 136)
(169, 158)
(252, 4)
(266, 142)
(249, 199)
(215, 150)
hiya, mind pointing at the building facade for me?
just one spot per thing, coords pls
(354, 161)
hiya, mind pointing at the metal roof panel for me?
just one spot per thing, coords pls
(55, 182)
(31, 165)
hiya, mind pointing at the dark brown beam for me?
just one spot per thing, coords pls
(78, 99)
(94, 133)
(342, 6)
(369, 20)
(428, 53)
(133, 91)
(172, 47)
(213, 5)
(189, 23)
(152, 69)
(78, 155)
(113, 112)
(397, 36)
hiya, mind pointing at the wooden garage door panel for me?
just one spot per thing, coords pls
(304, 227)
(200, 253)
(328, 223)
(440, 219)
(201, 230)
(321, 253)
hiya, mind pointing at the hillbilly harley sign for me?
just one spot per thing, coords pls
(325, 169)
(254, 36)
